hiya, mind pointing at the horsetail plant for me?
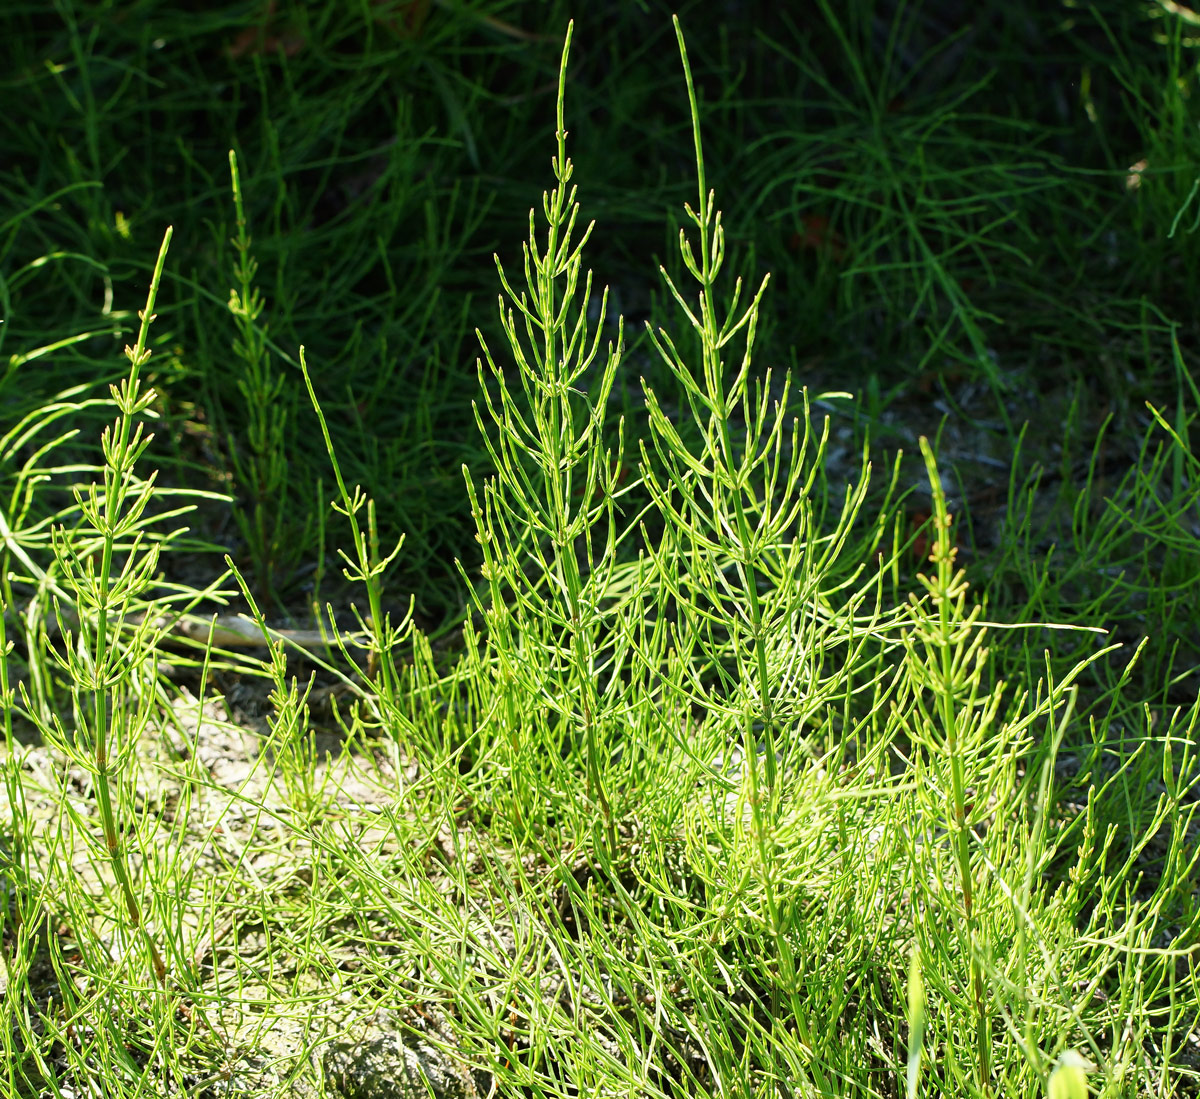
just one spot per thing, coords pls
(952, 646)
(591, 900)
(109, 564)
(965, 761)
(743, 557)
(366, 567)
(265, 525)
(554, 485)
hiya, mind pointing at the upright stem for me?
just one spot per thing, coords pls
(762, 803)
(948, 593)
(116, 486)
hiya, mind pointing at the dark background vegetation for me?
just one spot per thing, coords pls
(940, 190)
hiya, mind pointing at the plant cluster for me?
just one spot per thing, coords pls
(736, 766)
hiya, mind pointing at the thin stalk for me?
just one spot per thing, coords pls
(116, 486)
(710, 263)
(712, 254)
(947, 592)
(522, 511)
(368, 564)
(566, 558)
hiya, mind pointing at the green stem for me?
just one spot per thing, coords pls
(115, 487)
(946, 593)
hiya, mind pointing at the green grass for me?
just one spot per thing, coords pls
(627, 714)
